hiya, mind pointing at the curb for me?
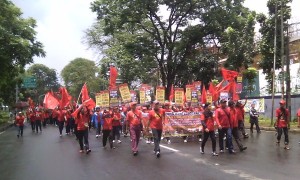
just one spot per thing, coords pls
(6, 126)
(273, 129)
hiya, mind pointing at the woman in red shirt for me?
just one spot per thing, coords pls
(38, 120)
(116, 124)
(107, 129)
(20, 123)
(208, 123)
(82, 120)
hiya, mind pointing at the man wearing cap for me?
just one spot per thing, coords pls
(20, 123)
(156, 119)
(134, 119)
(223, 120)
(282, 115)
(240, 115)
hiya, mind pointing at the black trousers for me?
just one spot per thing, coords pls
(212, 136)
(252, 122)
(45, 122)
(98, 128)
(116, 132)
(235, 134)
(242, 127)
(68, 126)
(60, 126)
(286, 135)
(20, 130)
(107, 134)
(83, 137)
(55, 121)
(32, 123)
(38, 124)
(157, 137)
(75, 130)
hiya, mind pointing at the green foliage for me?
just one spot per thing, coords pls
(215, 82)
(267, 30)
(79, 71)
(174, 46)
(18, 46)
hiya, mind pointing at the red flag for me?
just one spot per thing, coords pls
(229, 75)
(171, 95)
(65, 97)
(203, 95)
(75, 113)
(235, 96)
(84, 93)
(226, 88)
(50, 102)
(90, 104)
(113, 76)
(211, 88)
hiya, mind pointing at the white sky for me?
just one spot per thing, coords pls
(61, 24)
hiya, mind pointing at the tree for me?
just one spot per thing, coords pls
(268, 31)
(79, 71)
(46, 79)
(169, 40)
(18, 46)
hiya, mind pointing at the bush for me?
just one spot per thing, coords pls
(4, 117)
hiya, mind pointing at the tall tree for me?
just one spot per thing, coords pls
(79, 71)
(18, 46)
(267, 30)
(168, 33)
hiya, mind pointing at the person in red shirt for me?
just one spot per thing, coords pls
(82, 121)
(282, 115)
(156, 120)
(107, 129)
(68, 118)
(60, 120)
(32, 119)
(234, 125)
(46, 117)
(298, 117)
(134, 119)
(223, 120)
(207, 121)
(38, 120)
(20, 118)
(240, 115)
(167, 108)
(116, 124)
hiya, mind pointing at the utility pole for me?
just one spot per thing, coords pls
(274, 63)
(288, 74)
(17, 93)
(282, 51)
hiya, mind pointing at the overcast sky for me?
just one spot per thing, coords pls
(61, 25)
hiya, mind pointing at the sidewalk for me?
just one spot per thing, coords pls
(5, 126)
(292, 130)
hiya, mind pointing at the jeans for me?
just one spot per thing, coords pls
(68, 126)
(157, 137)
(32, 123)
(20, 130)
(107, 134)
(135, 134)
(116, 132)
(228, 133)
(60, 126)
(212, 136)
(83, 136)
(38, 124)
(99, 128)
(286, 135)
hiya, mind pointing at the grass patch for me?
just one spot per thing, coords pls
(4, 117)
(264, 121)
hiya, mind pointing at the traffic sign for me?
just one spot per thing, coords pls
(29, 82)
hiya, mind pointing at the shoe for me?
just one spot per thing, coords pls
(147, 142)
(114, 147)
(232, 152)
(185, 141)
(201, 151)
(246, 136)
(18, 135)
(169, 141)
(277, 143)
(243, 149)
(157, 154)
(152, 142)
(119, 141)
(81, 151)
(286, 148)
(97, 136)
(88, 151)
(221, 151)
(60, 135)
(113, 141)
(215, 154)
(135, 153)
(200, 140)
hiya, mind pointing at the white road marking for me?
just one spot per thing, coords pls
(2, 132)
(171, 149)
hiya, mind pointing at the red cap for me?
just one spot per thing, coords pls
(282, 102)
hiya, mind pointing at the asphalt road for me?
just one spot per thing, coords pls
(46, 156)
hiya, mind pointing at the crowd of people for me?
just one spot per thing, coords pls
(224, 121)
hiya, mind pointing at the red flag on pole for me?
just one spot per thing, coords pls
(171, 95)
(203, 95)
(65, 97)
(235, 96)
(50, 102)
(84, 93)
(211, 88)
(113, 76)
(90, 104)
(229, 75)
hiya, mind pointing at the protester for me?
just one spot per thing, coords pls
(207, 121)
(240, 115)
(38, 120)
(116, 115)
(55, 116)
(20, 118)
(68, 117)
(223, 121)
(46, 117)
(254, 119)
(298, 117)
(32, 119)
(107, 129)
(60, 120)
(156, 120)
(97, 120)
(134, 118)
(282, 115)
(168, 108)
(82, 121)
